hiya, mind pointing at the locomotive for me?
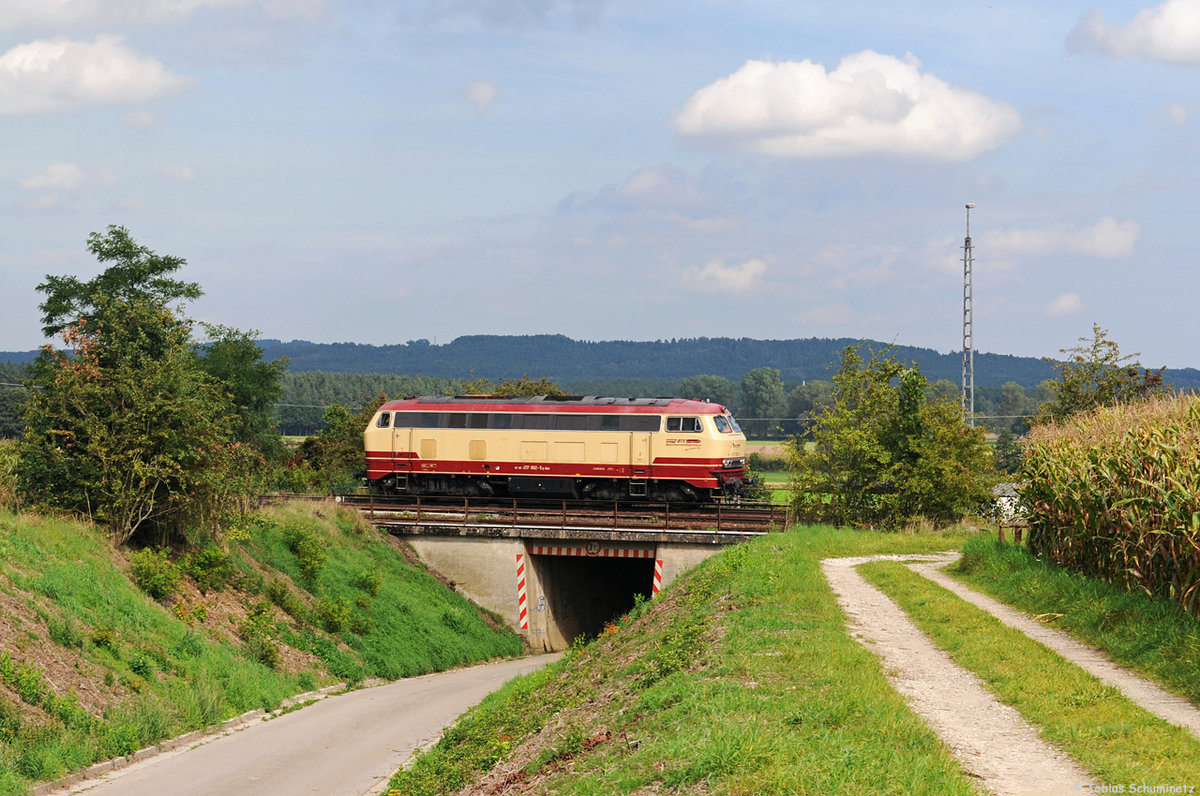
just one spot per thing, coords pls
(585, 447)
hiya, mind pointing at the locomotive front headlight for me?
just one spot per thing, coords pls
(732, 464)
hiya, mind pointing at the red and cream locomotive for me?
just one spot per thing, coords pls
(666, 449)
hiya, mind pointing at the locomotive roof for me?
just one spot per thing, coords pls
(553, 403)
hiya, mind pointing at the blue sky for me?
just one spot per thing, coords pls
(374, 172)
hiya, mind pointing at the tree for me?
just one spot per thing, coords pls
(523, 386)
(884, 454)
(1095, 373)
(125, 425)
(1007, 452)
(136, 273)
(233, 358)
(126, 430)
(717, 389)
(763, 403)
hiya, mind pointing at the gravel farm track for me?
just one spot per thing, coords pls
(991, 740)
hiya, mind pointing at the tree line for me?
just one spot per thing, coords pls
(158, 426)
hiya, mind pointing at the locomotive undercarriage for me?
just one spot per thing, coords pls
(515, 486)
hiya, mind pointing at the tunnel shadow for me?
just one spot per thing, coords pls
(583, 594)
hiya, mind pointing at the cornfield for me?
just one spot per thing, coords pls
(1115, 493)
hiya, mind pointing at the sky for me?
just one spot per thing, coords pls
(376, 172)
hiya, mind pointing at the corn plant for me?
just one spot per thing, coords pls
(1115, 493)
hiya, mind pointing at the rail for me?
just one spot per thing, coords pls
(564, 515)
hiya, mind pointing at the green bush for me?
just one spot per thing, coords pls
(8, 472)
(308, 549)
(369, 580)
(260, 634)
(333, 613)
(210, 568)
(154, 572)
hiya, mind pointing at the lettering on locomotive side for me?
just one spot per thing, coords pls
(535, 468)
(675, 442)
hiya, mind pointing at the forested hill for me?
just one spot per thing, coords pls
(571, 361)
(565, 360)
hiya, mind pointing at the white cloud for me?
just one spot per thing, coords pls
(1169, 31)
(716, 277)
(182, 171)
(1066, 304)
(481, 94)
(56, 177)
(1177, 114)
(871, 103)
(56, 74)
(1106, 238)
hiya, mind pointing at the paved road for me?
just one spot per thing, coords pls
(348, 744)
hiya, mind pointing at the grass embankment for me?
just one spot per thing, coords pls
(300, 596)
(1107, 733)
(739, 678)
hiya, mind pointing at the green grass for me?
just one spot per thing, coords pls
(1152, 636)
(411, 625)
(739, 678)
(66, 602)
(1094, 723)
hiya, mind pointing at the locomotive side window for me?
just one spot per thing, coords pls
(685, 425)
(385, 420)
(478, 420)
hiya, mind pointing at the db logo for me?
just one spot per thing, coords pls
(593, 548)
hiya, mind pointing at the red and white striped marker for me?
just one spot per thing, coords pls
(522, 604)
(658, 566)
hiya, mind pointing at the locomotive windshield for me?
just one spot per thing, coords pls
(722, 424)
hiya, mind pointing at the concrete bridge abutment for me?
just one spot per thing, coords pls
(552, 590)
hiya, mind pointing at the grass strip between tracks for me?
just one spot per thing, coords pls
(739, 678)
(1108, 734)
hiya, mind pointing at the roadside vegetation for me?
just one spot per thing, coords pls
(104, 651)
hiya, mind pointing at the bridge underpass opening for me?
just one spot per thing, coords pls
(583, 593)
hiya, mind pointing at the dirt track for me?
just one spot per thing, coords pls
(991, 740)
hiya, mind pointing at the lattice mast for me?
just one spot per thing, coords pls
(968, 347)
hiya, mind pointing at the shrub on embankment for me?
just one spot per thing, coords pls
(1115, 493)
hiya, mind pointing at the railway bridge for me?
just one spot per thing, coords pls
(555, 570)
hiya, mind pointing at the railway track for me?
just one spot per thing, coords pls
(413, 513)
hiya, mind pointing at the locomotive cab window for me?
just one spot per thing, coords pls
(722, 424)
(685, 425)
(385, 420)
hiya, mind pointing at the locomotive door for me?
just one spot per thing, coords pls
(639, 455)
(402, 449)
